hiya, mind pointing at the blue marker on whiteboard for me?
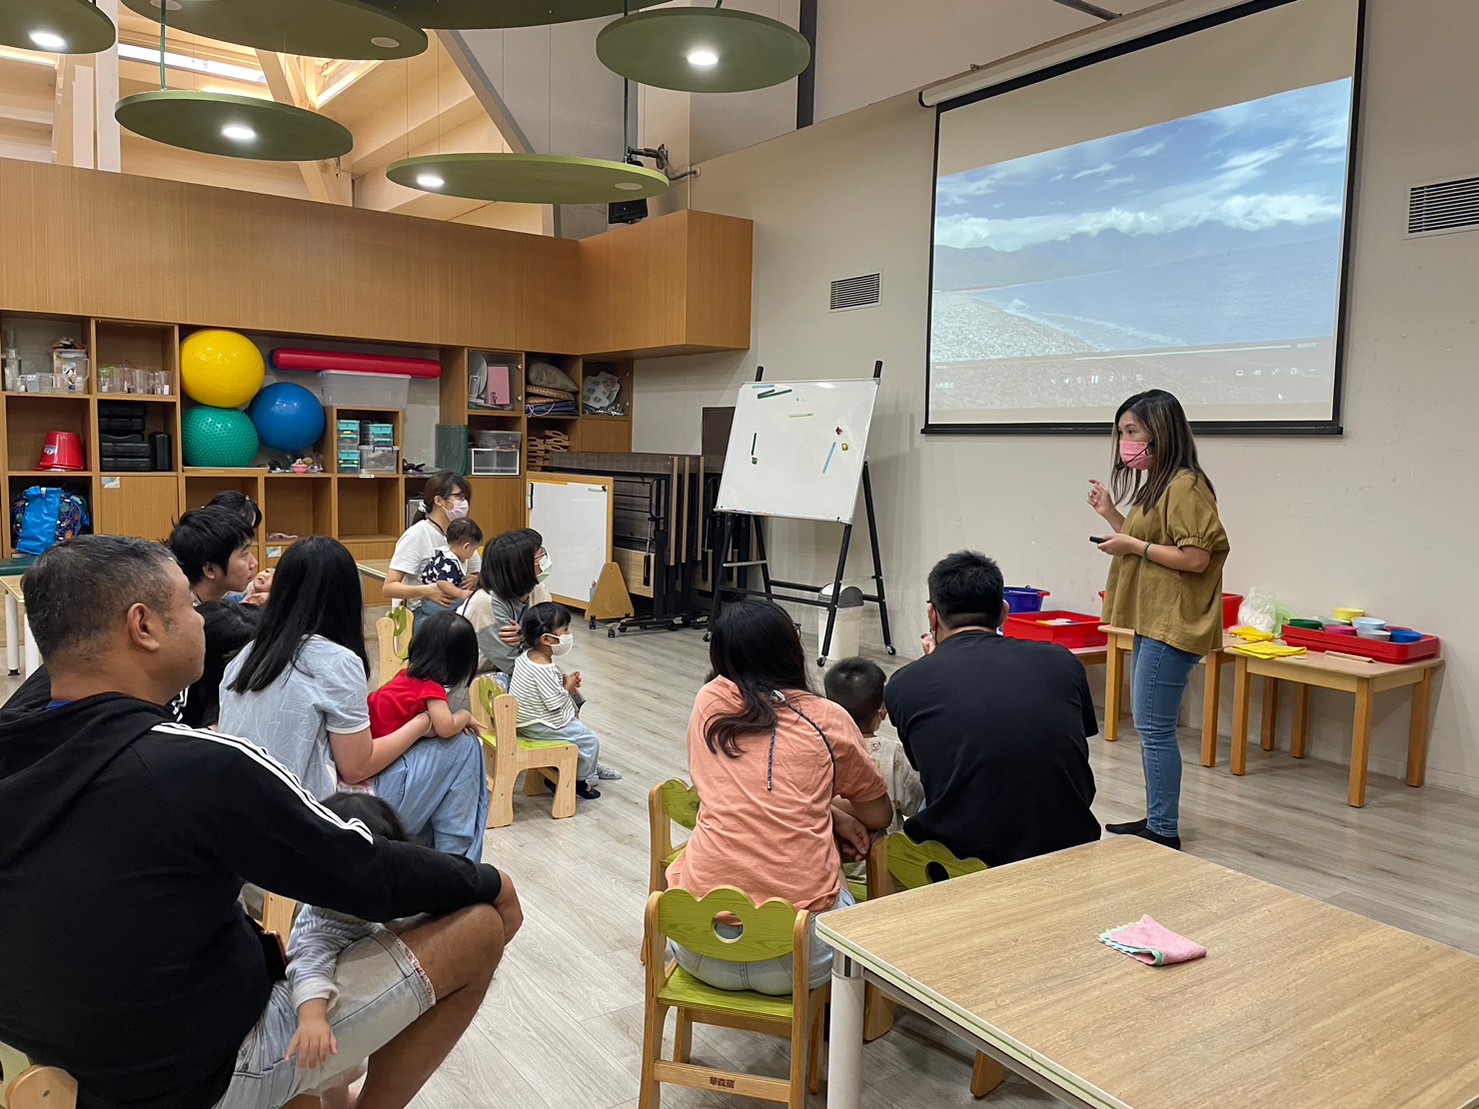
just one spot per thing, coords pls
(830, 452)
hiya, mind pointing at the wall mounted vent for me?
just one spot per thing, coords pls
(855, 292)
(1443, 207)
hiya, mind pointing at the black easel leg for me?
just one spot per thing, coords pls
(836, 593)
(759, 526)
(888, 642)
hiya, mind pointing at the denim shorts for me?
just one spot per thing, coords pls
(382, 989)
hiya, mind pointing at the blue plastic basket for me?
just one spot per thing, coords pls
(1025, 599)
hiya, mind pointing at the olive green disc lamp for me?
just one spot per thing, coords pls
(233, 126)
(703, 50)
(56, 26)
(527, 178)
(351, 29)
(468, 14)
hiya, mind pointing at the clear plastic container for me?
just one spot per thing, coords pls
(380, 460)
(351, 389)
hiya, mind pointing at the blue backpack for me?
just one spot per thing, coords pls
(44, 515)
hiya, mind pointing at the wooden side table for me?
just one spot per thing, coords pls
(1121, 642)
(1364, 679)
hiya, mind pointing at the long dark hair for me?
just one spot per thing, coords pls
(508, 564)
(1173, 448)
(442, 483)
(444, 648)
(316, 592)
(756, 646)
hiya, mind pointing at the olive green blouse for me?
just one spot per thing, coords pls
(1184, 610)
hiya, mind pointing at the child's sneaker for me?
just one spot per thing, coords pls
(608, 774)
(586, 792)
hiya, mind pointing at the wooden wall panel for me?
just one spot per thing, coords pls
(719, 280)
(87, 243)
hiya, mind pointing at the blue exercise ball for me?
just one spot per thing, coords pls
(288, 417)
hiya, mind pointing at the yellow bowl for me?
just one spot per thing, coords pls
(1347, 614)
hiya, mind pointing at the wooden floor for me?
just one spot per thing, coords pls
(562, 1025)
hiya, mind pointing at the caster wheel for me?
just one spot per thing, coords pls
(593, 623)
(822, 661)
(610, 633)
(892, 651)
(706, 637)
(622, 630)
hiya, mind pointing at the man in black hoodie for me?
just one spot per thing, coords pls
(124, 839)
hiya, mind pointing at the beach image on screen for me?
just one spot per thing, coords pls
(1201, 255)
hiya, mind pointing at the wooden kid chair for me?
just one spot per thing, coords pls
(277, 915)
(897, 862)
(393, 630)
(506, 755)
(36, 1087)
(769, 931)
(671, 802)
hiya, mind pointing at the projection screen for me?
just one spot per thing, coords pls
(1172, 213)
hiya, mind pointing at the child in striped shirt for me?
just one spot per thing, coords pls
(319, 937)
(547, 706)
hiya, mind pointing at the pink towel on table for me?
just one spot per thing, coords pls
(1152, 943)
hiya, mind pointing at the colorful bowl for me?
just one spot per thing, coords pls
(1312, 625)
(1339, 629)
(1374, 633)
(1346, 615)
(1370, 623)
(1405, 635)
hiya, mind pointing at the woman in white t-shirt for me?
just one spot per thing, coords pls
(300, 689)
(444, 499)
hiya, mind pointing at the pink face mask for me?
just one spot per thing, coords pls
(1135, 455)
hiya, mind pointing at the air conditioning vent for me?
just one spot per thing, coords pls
(1443, 207)
(855, 292)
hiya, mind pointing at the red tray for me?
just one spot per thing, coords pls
(1083, 632)
(1379, 649)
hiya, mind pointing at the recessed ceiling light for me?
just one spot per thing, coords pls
(429, 181)
(385, 42)
(629, 186)
(48, 40)
(238, 132)
(703, 57)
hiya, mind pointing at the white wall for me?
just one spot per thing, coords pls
(1375, 518)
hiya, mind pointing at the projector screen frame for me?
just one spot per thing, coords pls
(1328, 427)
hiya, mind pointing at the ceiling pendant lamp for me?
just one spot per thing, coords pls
(233, 126)
(703, 49)
(349, 29)
(56, 26)
(469, 14)
(527, 178)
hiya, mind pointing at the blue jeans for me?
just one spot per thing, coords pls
(775, 977)
(439, 786)
(585, 740)
(1158, 677)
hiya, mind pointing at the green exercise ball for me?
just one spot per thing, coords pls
(218, 437)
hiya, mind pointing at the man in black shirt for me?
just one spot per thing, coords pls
(996, 727)
(124, 839)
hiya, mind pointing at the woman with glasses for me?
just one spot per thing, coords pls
(444, 499)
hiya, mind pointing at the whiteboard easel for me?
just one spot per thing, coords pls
(573, 514)
(813, 420)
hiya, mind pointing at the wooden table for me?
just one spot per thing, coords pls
(1297, 1004)
(1121, 642)
(1364, 679)
(17, 634)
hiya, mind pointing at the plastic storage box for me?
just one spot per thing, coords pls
(380, 460)
(1081, 631)
(350, 389)
(500, 457)
(349, 459)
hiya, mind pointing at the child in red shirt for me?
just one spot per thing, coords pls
(444, 653)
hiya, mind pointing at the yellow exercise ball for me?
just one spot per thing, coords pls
(223, 369)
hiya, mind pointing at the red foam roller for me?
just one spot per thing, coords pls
(286, 358)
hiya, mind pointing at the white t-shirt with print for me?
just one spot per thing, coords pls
(416, 547)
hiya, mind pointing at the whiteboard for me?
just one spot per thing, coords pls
(796, 448)
(573, 514)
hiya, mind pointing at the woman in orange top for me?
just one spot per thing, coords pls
(781, 774)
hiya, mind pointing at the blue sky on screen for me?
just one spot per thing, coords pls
(1275, 162)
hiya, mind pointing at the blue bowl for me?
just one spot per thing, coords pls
(1405, 635)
